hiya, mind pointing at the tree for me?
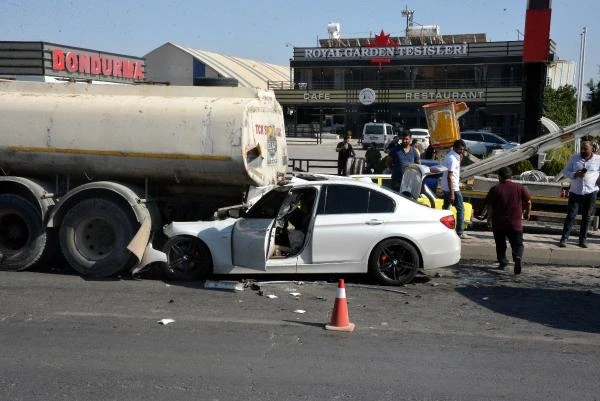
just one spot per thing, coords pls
(592, 104)
(560, 104)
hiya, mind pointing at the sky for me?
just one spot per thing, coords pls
(268, 30)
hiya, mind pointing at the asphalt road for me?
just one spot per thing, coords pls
(469, 333)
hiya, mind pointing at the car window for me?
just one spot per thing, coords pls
(492, 138)
(388, 130)
(373, 130)
(380, 203)
(345, 199)
(270, 203)
(471, 136)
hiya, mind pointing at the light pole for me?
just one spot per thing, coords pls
(580, 83)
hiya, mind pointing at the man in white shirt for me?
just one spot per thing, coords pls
(583, 170)
(450, 184)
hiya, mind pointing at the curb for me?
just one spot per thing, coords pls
(575, 257)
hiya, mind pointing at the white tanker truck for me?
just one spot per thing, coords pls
(94, 170)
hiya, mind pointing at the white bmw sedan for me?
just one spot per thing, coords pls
(318, 224)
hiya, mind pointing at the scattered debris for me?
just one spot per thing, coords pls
(164, 322)
(224, 285)
(375, 287)
(295, 294)
(271, 296)
(299, 311)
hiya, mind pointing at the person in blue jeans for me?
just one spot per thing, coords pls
(584, 171)
(451, 184)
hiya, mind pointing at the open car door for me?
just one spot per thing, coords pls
(252, 233)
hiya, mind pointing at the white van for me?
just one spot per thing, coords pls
(422, 136)
(380, 133)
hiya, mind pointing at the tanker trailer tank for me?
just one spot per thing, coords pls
(121, 155)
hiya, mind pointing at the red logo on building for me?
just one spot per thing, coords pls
(383, 41)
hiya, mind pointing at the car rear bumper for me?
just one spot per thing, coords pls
(442, 250)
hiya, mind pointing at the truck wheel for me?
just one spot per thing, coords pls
(94, 235)
(188, 258)
(23, 238)
(394, 262)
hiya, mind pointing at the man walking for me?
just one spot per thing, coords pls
(451, 185)
(507, 204)
(344, 150)
(583, 170)
(402, 156)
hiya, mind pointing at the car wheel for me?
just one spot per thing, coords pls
(188, 258)
(394, 262)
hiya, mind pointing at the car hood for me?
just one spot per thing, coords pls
(193, 228)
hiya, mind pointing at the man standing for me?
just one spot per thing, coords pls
(583, 170)
(402, 156)
(372, 159)
(344, 150)
(507, 204)
(451, 185)
(392, 145)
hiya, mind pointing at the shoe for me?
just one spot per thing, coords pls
(562, 244)
(502, 265)
(583, 245)
(464, 236)
(517, 269)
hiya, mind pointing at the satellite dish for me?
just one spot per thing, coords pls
(334, 30)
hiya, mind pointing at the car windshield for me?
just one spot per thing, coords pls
(373, 129)
(268, 206)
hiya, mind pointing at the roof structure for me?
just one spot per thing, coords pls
(248, 72)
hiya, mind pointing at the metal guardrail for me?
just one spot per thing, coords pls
(307, 164)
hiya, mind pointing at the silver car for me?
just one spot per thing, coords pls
(481, 143)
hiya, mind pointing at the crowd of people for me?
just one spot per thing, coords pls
(507, 204)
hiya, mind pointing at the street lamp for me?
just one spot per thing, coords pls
(580, 83)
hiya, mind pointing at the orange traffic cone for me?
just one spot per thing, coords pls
(339, 317)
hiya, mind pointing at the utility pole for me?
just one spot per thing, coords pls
(580, 83)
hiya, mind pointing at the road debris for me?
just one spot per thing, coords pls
(224, 285)
(375, 287)
(299, 311)
(164, 322)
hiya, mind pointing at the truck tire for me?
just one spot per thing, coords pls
(24, 241)
(94, 235)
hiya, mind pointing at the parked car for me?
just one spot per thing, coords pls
(428, 173)
(318, 224)
(380, 133)
(481, 143)
(422, 136)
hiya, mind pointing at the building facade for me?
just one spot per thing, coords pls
(346, 83)
(50, 62)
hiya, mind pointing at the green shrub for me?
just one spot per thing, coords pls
(522, 166)
(552, 167)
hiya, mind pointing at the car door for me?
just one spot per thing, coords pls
(252, 233)
(348, 222)
(475, 143)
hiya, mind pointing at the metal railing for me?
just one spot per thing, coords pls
(397, 84)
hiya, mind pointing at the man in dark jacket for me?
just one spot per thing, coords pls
(372, 159)
(507, 204)
(344, 150)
